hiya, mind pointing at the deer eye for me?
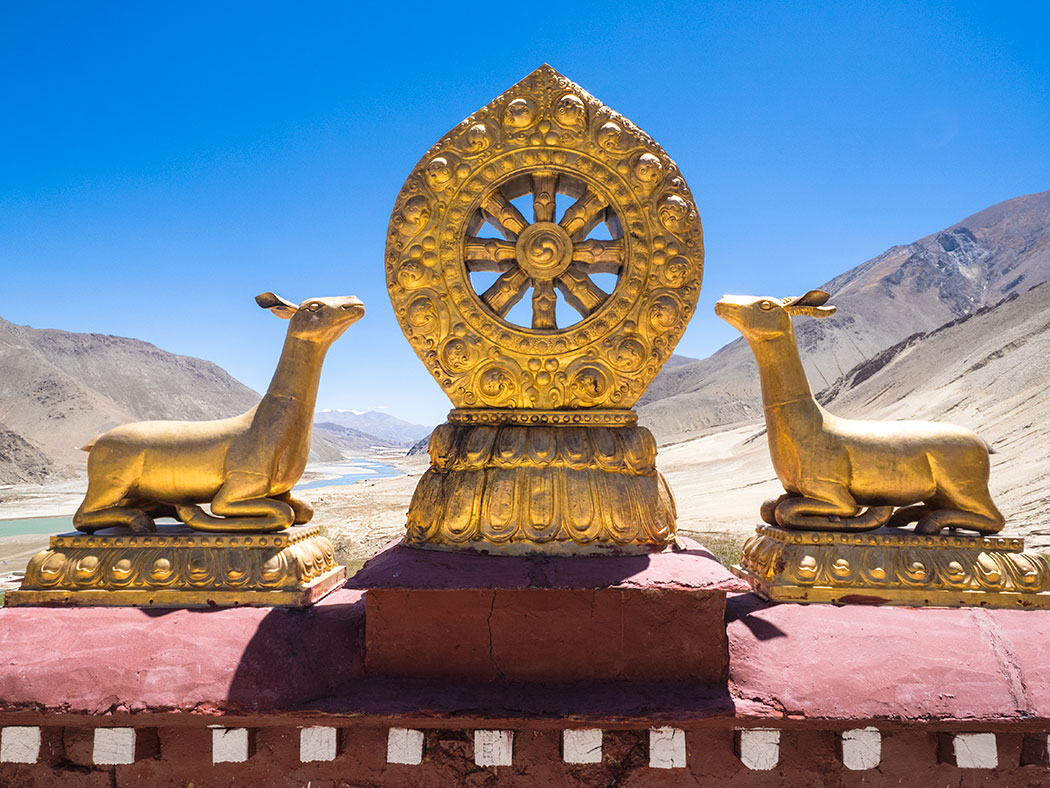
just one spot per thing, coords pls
(765, 306)
(313, 306)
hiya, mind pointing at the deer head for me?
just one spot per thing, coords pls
(760, 318)
(320, 320)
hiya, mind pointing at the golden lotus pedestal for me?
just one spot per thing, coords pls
(565, 483)
(177, 567)
(894, 567)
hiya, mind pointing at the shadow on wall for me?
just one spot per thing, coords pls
(296, 656)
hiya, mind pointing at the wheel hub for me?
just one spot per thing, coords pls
(544, 250)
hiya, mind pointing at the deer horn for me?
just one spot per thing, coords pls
(810, 311)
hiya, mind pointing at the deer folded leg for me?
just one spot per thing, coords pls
(908, 514)
(90, 521)
(104, 506)
(768, 510)
(260, 515)
(834, 510)
(956, 518)
(962, 503)
(106, 503)
(302, 510)
(242, 505)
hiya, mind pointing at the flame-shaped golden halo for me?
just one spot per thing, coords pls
(549, 140)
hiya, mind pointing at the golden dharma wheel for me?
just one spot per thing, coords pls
(532, 202)
(543, 259)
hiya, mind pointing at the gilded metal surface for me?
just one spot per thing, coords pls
(244, 467)
(512, 488)
(894, 567)
(580, 166)
(537, 198)
(182, 568)
(575, 418)
(833, 468)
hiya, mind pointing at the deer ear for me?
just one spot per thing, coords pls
(812, 298)
(276, 304)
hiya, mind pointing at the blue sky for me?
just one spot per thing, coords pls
(162, 164)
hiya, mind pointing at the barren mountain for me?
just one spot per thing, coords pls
(58, 390)
(907, 290)
(350, 441)
(375, 424)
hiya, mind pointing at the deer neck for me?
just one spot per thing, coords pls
(298, 372)
(784, 383)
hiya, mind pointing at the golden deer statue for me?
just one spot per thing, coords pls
(831, 467)
(244, 467)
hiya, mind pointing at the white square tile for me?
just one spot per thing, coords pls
(19, 744)
(975, 751)
(582, 745)
(404, 745)
(229, 745)
(113, 746)
(318, 744)
(493, 748)
(861, 748)
(667, 748)
(759, 748)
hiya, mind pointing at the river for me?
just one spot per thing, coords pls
(332, 474)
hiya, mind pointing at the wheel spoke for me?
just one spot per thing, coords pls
(502, 214)
(600, 257)
(580, 292)
(544, 301)
(582, 216)
(506, 291)
(488, 254)
(544, 185)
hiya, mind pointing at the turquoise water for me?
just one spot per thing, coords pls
(369, 469)
(36, 525)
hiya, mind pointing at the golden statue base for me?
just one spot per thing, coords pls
(894, 567)
(552, 482)
(179, 567)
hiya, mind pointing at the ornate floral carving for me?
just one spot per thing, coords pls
(544, 194)
(899, 567)
(519, 486)
(192, 568)
(529, 142)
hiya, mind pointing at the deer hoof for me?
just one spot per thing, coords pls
(142, 524)
(928, 527)
(768, 511)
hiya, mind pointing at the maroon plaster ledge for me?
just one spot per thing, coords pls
(860, 662)
(455, 616)
(101, 660)
(791, 662)
(692, 568)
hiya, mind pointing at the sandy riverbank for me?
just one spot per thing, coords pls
(361, 516)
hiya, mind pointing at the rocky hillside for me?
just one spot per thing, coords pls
(347, 440)
(910, 289)
(59, 389)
